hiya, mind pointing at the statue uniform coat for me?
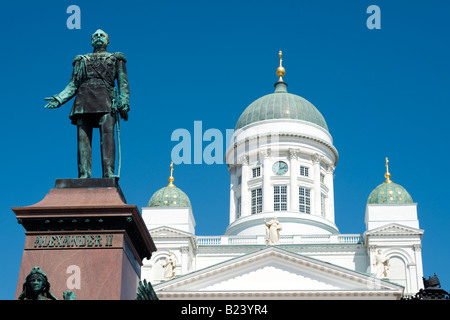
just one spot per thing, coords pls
(93, 83)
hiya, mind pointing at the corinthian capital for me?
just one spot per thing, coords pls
(266, 153)
(293, 153)
(243, 160)
(316, 158)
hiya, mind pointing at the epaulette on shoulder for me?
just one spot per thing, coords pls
(77, 58)
(121, 56)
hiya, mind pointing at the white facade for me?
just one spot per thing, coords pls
(348, 252)
(283, 169)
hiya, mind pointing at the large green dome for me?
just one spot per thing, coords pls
(169, 196)
(281, 105)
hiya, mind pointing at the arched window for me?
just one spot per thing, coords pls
(397, 270)
(157, 272)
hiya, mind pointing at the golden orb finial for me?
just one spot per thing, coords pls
(387, 175)
(171, 178)
(280, 70)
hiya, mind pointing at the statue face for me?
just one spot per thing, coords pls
(36, 284)
(99, 39)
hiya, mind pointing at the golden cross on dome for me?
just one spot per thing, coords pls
(387, 175)
(280, 70)
(171, 178)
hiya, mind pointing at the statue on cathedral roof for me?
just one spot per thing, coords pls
(273, 228)
(382, 264)
(169, 266)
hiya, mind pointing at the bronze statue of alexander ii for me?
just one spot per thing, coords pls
(97, 103)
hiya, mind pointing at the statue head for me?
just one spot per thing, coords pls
(99, 39)
(36, 286)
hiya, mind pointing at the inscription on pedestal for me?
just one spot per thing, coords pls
(69, 240)
(73, 241)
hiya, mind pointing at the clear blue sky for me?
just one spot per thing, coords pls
(383, 93)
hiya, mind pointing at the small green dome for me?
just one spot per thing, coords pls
(389, 192)
(169, 196)
(281, 105)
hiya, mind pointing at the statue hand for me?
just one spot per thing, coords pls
(52, 104)
(123, 110)
(68, 295)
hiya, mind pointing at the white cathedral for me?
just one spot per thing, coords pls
(282, 241)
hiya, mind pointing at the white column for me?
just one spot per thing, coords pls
(184, 260)
(266, 188)
(418, 282)
(245, 195)
(372, 252)
(316, 210)
(294, 171)
(233, 186)
(329, 182)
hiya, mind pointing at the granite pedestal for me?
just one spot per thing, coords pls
(87, 239)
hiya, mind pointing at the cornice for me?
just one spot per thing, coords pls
(394, 229)
(329, 294)
(286, 134)
(174, 234)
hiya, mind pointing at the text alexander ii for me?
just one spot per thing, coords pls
(73, 241)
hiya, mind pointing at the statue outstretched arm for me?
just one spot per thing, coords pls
(59, 99)
(69, 92)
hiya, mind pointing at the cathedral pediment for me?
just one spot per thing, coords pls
(168, 232)
(394, 229)
(275, 273)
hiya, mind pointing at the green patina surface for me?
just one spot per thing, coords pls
(169, 196)
(281, 105)
(389, 193)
